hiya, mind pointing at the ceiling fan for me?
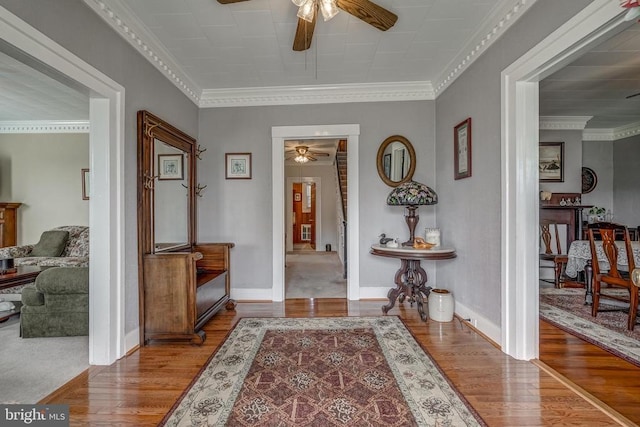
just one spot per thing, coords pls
(365, 10)
(302, 154)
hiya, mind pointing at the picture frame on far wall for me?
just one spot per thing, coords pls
(170, 166)
(551, 161)
(85, 184)
(238, 165)
(462, 149)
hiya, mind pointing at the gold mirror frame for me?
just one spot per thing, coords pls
(380, 160)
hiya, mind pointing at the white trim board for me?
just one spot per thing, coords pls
(106, 162)
(350, 132)
(44, 126)
(519, 153)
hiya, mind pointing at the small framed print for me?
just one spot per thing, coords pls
(238, 165)
(462, 149)
(85, 184)
(297, 197)
(170, 166)
(551, 161)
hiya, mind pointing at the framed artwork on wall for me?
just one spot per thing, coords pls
(170, 166)
(462, 149)
(551, 161)
(238, 165)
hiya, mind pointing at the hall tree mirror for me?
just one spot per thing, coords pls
(177, 275)
(396, 160)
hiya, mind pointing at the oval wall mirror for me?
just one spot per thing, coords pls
(396, 160)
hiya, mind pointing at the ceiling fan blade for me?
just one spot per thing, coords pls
(230, 1)
(304, 34)
(317, 153)
(369, 12)
(633, 96)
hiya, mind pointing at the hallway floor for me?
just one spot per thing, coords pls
(311, 274)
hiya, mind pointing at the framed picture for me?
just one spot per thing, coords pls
(85, 184)
(589, 180)
(238, 165)
(170, 166)
(551, 161)
(462, 150)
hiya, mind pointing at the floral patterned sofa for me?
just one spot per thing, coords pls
(75, 253)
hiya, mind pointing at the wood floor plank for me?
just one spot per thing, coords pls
(141, 388)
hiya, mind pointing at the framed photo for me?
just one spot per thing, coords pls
(462, 150)
(170, 166)
(551, 161)
(238, 165)
(85, 184)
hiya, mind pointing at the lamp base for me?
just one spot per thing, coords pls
(412, 220)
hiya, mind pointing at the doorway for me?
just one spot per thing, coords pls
(520, 275)
(281, 133)
(106, 210)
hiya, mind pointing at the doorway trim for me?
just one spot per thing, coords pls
(289, 202)
(106, 163)
(519, 171)
(350, 132)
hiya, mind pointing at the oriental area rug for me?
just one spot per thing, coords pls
(565, 309)
(340, 371)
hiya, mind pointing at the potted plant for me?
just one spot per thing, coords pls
(596, 214)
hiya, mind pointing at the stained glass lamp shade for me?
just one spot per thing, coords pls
(412, 194)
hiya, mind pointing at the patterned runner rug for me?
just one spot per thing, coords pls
(565, 309)
(344, 371)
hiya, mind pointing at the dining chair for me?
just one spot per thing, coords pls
(614, 277)
(557, 257)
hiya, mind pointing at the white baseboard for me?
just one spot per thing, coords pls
(491, 330)
(246, 294)
(131, 340)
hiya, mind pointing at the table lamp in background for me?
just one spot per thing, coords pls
(412, 194)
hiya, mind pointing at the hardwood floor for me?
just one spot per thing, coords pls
(141, 388)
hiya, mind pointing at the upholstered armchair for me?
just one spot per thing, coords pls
(57, 304)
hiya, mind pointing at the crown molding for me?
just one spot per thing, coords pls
(505, 14)
(614, 134)
(44, 126)
(120, 17)
(564, 122)
(321, 94)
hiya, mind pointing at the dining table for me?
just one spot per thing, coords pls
(579, 259)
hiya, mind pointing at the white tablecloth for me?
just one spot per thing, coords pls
(579, 253)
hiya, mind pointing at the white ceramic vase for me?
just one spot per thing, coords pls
(440, 305)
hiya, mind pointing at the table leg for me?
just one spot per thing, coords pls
(401, 289)
(588, 276)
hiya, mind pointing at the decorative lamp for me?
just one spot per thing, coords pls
(412, 194)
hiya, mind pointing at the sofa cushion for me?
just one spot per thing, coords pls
(51, 243)
(78, 245)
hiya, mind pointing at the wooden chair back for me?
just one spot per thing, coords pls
(546, 226)
(608, 233)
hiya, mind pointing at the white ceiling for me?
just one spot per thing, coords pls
(212, 51)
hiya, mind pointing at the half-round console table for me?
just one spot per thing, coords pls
(411, 278)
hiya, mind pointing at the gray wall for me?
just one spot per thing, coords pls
(598, 155)
(626, 181)
(77, 28)
(240, 211)
(43, 172)
(469, 209)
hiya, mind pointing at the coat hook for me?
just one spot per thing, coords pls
(148, 181)
(199, 189)
(199, 151)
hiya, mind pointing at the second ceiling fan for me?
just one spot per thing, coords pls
(365, 10)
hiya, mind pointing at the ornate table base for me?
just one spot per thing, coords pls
(411, 278)
(410, 283)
